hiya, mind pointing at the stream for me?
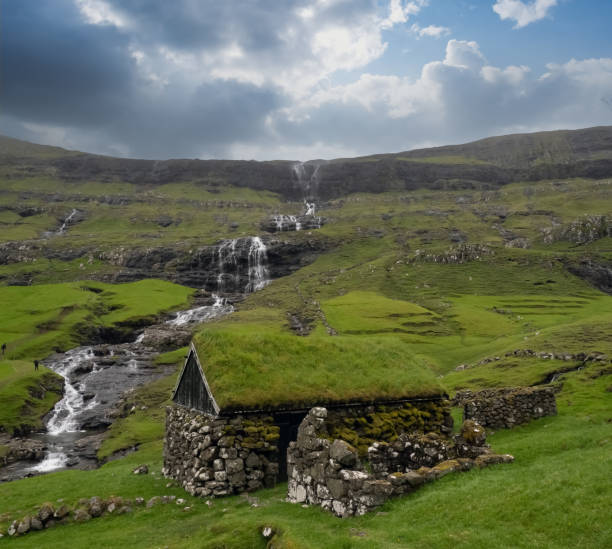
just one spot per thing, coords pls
(95, 378)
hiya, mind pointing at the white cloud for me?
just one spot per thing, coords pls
(433, 31)
(400, 12)
(464, 54)
(314, 41)
(521, 12)
(98, 12)
(462, 97)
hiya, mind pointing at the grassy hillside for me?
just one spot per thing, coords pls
(39, 320)
(554, 495)
(414, 291)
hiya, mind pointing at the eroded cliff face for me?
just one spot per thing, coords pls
(232, 266)
(487, 163)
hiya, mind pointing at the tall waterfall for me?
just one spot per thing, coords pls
(242, 265)
(309, 185)
(258, 270)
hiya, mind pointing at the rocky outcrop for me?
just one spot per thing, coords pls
(463, 253)
(583, 230)
(598, 273)
(20, 449)
(283, 223)
(508, 407)
(223, 267)
(329, 473)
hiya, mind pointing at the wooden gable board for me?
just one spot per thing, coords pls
(192, 389)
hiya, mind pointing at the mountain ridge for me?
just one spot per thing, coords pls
(486, 163)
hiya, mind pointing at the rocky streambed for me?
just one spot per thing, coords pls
(95, 378)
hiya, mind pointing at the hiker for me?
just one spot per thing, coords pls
(3, 348)
(36, 365)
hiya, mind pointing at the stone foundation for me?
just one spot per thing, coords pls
(330, 473)
(505, 408)
(219, 456)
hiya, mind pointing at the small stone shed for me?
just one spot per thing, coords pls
(214, 449)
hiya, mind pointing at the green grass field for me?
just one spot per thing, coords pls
(403, 321)
(39, 320)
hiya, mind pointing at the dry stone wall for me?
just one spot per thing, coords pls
(330, 473)
(219, 456)
(361, 426)
(505, 408)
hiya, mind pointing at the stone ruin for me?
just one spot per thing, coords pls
(331, 474)
(220, 455)
(507, 407)
(217, 455)
(348, 459)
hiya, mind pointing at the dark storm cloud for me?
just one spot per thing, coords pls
(59, 71)
(56, 70)
(189, 24)
(263, 79)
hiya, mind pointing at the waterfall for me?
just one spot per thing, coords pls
(309, 186)
(287, 223)
(201, 314)
(310, 208)
(243, 263)
(258, 271)
(227, 256)
(67, 221)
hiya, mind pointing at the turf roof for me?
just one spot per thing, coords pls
(251, 362)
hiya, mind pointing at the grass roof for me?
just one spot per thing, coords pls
(252, 362)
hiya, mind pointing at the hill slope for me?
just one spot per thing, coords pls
(485, 163)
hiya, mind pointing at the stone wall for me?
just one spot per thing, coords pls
(361, 426)
(330, 473)
(505, 408)
(220, 456)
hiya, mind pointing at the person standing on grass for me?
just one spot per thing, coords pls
(36, 365)
(3, 348)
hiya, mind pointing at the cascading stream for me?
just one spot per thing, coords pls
(201, 314)
(67, 221)
(94, 380)
(96, 377)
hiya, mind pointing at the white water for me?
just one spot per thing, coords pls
(309, 186)
(202, 314)
(310, 208)
(229, 257)
(53, 461)
(287, 222)
(226, 256)
(258, 271)
(64, 414)
(66, 221)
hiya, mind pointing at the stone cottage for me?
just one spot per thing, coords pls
(214, 446)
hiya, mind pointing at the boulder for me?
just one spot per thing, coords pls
(343, 453)
(473, 433)
(81, 515)
(46, 511)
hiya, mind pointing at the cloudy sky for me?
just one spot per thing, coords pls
(298, 79)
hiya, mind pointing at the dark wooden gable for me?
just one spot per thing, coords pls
(192, 389)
